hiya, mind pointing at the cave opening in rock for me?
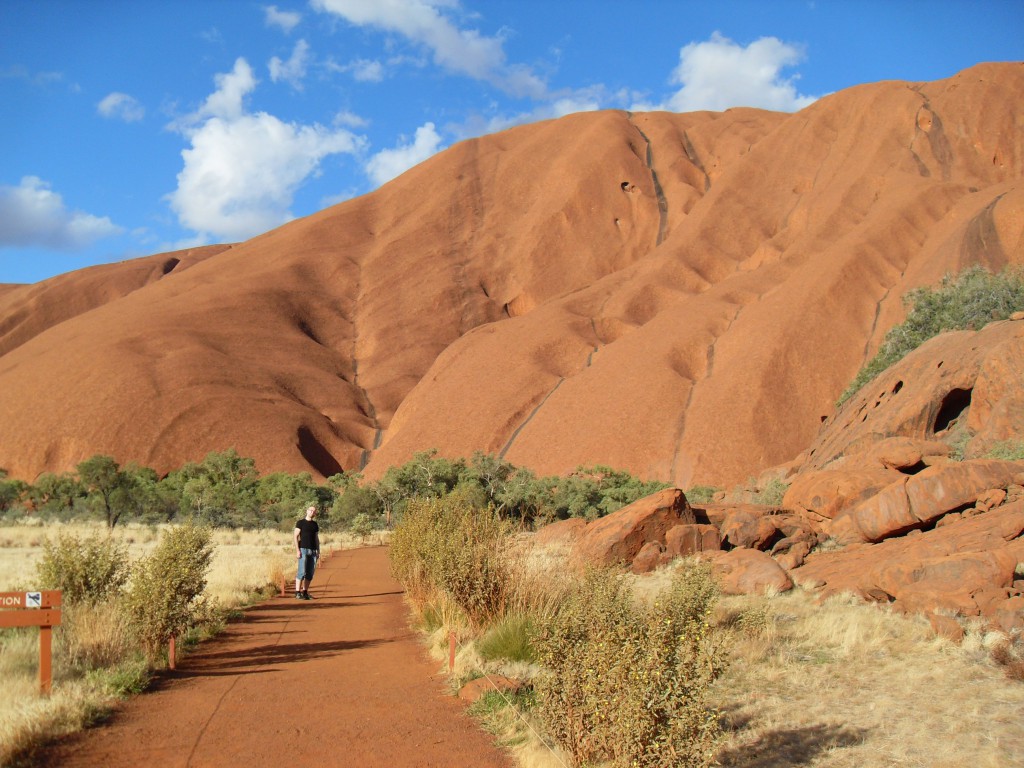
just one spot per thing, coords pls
(953, 406)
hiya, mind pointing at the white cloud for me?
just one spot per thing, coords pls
(19, 72)
(286, 21)
(121, 106)
(464, 51)
(361, 70)
(243, 169)
(351, 119)
(560, 105)
(718, 74)
(227, 102)
(367, 71)
(389, 163)
(293, 70)
(31, 214)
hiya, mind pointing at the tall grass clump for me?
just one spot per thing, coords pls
(627, 683)
(90, 569)
(166, 594)
(447, 548)
(968, 301)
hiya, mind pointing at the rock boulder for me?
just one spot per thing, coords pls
(619, 537)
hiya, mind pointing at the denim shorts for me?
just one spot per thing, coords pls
(307, 564)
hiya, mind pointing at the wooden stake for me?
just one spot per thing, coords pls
(45, 660)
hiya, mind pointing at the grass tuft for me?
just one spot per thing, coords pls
(508, 639)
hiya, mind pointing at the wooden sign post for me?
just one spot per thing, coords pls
(35, 609)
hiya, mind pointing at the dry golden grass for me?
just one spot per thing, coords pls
(846, 684)
(242, 560)
(838, 685)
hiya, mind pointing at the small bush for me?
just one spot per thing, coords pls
(773, 493)
(166, 594)
(701, 494)
(446, 545)
(362, 525)
(86, 570)
(1010, 659)
(627, 683)
(968, 301)
(1007, 450)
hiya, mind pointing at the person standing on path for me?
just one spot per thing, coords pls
(307, 552)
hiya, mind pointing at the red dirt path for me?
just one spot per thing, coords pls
(336, 681)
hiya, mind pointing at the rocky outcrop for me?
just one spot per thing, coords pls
(684, 540)
(970, 567)
(827, 492)
(962, 384)
(635, 532)
(950, 541)
(920, 500)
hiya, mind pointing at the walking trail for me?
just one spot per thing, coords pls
(339, 680)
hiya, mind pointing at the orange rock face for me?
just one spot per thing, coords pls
(910, 502)
(680, 295)
(640, 528)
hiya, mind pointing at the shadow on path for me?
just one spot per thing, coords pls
(266, 655)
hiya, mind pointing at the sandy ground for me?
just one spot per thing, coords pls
(336, 681)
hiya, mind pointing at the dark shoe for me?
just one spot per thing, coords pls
(306, 596)
(298, 595)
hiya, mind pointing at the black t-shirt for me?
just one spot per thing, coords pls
(308, 530)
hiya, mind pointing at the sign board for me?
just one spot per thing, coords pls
(49, 599)
(34, 609)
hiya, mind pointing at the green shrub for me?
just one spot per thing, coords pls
(166, 594)
(87, 570)
(1007, 450)
(968, 301)
(448, 546)
(701, 494)
(773, 493)
(626, 683)
(362, 525)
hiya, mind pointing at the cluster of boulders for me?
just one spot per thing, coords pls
(653, 531)
(894, 500)
(947, 541)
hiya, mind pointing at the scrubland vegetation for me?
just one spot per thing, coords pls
(659, 670)
(125, 593)
(968, 301)
(226, 490)
(617, 681)
(177, 555)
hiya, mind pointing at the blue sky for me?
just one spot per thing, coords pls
(133, 128)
